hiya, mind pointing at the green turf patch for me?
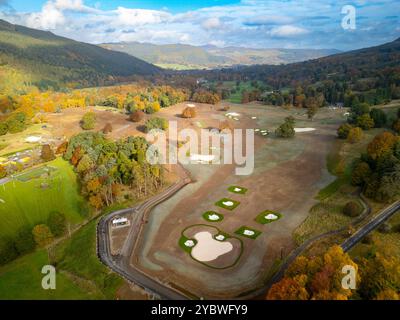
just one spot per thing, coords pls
(212, 216)
(237, 189)
(262, 217)
(227, 204)
(248, 232)
(185, 245)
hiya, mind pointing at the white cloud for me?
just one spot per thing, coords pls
(287, 31)
(211, 23)
(251, 23)
(49, 18)
(135, 17)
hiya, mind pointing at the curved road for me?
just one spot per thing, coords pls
(121, 263)
(348, 243)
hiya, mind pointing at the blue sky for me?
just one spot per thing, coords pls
(250, 23)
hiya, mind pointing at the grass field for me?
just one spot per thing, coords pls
(21, 279)
(26, 203)
(79, 273)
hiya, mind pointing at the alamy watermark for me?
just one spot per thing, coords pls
(350, 278)
(349, 20)
(49, 280)
(213, 146)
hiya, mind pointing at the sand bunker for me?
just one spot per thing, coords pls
(299, 130)
(248, 232)
(271, 216)
(209, 249)
(189, 243)
(228, 203)
(213, 217)
(33, 139)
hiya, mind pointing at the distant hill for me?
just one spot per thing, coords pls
(179, 56)
(370, 64)
(44, 59)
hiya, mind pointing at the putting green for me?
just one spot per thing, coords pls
(268, 216)
(248, 232)
(212, 216)
(227, 204)
(237, 189)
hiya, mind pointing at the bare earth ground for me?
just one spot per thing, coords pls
(288, 173)
(286, 177)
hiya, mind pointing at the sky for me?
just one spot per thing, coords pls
(246, 23)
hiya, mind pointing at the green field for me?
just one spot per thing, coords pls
(29, 202)
(237, 96)
(79, 273)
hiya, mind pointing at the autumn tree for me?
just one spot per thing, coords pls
(136, 116)
(317, 277)
(365, 122)
(381, 145)
(42, 235)
(286, 130)
(311, 104)
(355, 135)
(352, 209)
(360, 173)
(343, 130)
(62, 148)
(3, 172)
(47, 153)
(88, 121)
(189, 112)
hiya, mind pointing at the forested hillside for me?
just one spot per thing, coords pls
(42, 59)
(370, 75)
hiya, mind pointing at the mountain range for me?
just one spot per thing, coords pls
(182, 56)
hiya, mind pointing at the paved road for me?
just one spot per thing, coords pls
(121, 263)
(370, 226)
(348, 243)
